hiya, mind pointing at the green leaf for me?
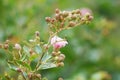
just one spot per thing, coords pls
(12, 67)
(38, 49)
(47, 65)
(26, 50)
(46, 57)
(25, 74)
(23, 64)
(33, 57)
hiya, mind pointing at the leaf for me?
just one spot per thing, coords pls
(25, 74)
(26, 50)
(33, 57)
(46, 57)
(38, 49)
(12, 67)
(23, 64)
(23, 57)
(47, 65)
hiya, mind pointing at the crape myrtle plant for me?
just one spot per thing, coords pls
(30, 57)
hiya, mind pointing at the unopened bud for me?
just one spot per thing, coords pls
(78, 11)
(19, 70)
(90, 18)
(61, 57)
(48, 19)
(60, 64)
(17, 46)
(60, 78)
(65, 13)
(38, 76)
(37, 33)
(57, 11)
(56, 53)
(71, 24)
(7, 41)
(6, 46)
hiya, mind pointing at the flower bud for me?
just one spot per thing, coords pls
(48, 19)
(71, 24)
(60, 64)
(6, 46)
(65, 13)
(17, 46)
(61, 57)
(37, 33)
(19, 70)
(38, 76)
(78, 11)
(57, 11)
(60, 78)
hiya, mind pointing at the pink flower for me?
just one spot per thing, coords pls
(85, 11)
(58, 42)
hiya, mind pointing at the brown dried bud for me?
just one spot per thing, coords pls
(37, 33)
(6, 46)
(57, 11)
(60, 78)
(71, 24)
(48, 19)
(60, 64)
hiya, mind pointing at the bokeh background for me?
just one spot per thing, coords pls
(93, 52)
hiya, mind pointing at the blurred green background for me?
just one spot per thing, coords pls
(93, 52)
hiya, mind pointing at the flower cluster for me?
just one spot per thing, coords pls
(44, 55)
